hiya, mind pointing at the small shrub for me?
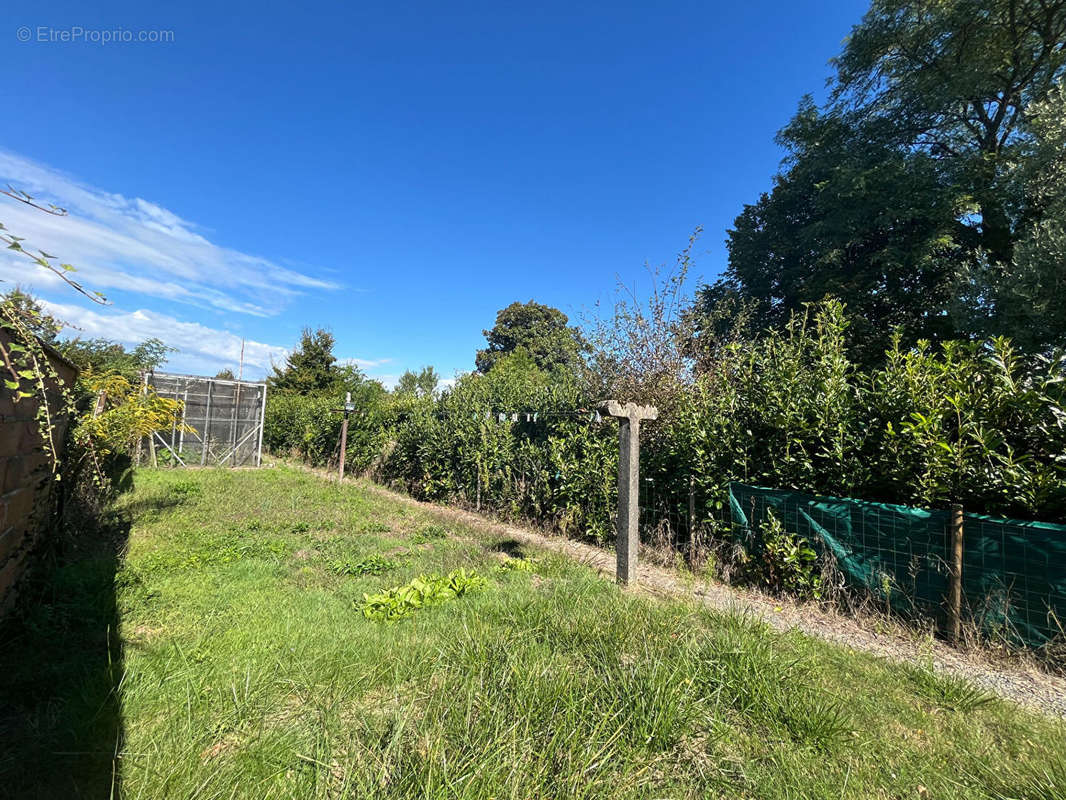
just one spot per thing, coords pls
(425, 590)
(783, 562)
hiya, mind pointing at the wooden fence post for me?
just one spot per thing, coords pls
(628, 533)
(955, 582)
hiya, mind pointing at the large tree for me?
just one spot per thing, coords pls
(905, 196)
(1023, 296)
(540, 331)
(310, 368)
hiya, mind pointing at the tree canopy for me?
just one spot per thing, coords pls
(540, 331)
(921, 194)
(104, 355)
(418, 384)
(43, 325)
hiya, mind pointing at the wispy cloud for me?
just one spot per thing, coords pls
(201, 349)
(365, 363)
(135, 245)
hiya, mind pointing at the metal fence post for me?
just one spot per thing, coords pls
(262, 425)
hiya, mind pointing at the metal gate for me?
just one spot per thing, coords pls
(227, 417)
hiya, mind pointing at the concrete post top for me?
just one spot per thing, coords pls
(630, 411)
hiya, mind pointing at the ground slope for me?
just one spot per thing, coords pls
(242, 666)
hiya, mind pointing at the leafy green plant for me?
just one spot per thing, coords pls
(374, 526)
(371, 565)
(783, 561)
(425, 590)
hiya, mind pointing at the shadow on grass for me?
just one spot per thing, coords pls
(158, 502)
(61, 666)
(509, 547)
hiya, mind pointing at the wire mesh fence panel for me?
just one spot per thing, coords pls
(1014, 572)
(222, 421)
(664, 519)
(1014, 576)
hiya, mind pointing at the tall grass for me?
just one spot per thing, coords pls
(256, 676)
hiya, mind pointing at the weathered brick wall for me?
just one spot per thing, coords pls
(26, 484)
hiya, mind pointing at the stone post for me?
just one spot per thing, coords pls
(628, 539)
(344, 435)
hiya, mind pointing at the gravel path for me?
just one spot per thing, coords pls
(1026, 685)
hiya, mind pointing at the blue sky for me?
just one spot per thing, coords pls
(394, 172)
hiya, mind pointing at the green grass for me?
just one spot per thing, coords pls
(242, 666)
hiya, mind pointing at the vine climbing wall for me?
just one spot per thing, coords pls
(26, 481)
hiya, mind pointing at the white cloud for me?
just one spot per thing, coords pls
(202, 350)
(135, 245)
(364, 363)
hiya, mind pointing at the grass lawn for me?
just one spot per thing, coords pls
(227, 656)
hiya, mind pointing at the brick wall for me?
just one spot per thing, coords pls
(26, 497)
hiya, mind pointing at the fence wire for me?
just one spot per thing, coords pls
(1013, 573)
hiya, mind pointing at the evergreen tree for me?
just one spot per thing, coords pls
(310, 368)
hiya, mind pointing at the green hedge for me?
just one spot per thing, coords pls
(967, 422)
(310, 428)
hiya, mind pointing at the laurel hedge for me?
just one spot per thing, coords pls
(969, 422)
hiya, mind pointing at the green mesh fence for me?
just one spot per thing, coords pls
(1014, 572)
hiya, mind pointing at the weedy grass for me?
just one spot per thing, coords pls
(255, 674)
(429, 533)
(518, 565)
